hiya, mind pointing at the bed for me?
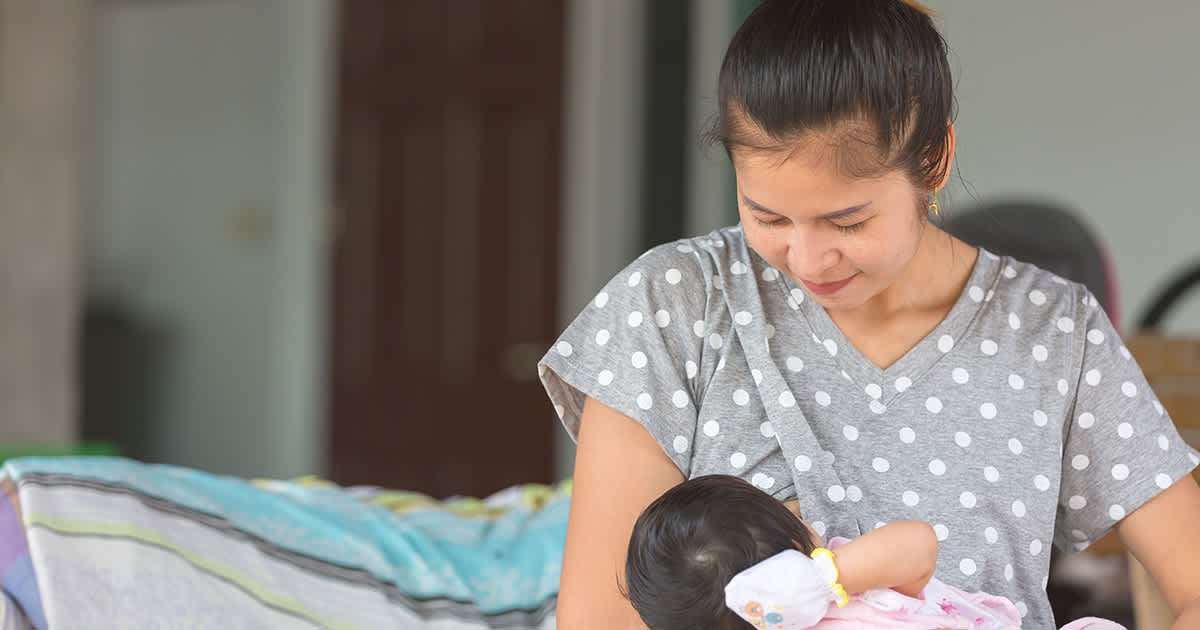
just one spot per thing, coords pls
(91, 542)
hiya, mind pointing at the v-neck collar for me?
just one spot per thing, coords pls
(896, 378)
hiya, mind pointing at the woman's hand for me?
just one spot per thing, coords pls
(1162, 536)
(619, 470)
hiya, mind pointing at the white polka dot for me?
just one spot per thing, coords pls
(1037, 297)
(1010, 272)
(1092, 377)
(662, 318)
(767, 429)
(673, 276)
(605, 378)
(635, 319)
(1159, 408)
(987, 410)
(1040, 418)
(1163, 442)
(757, 376)
(786, 399)
(878, 407)
(873, 390)
(1018, 509)
(602, 337)
(737, 460)
(680, 444)
(945, 343)
(1066, 324)
(830, 347)
(1015, 381)
(1040, 353)
(910, 498)
(1125, 430)
(819, 527)
(850, 432)
(1120, 472)
(1041, 482)
(721, 364)
(967, 566)
(743, 318)
(1008, 572)
(560, 410)
(770, 275)
(1095, 336)
(740, 397)
(903, 383)
(1195, 460)
(684, 248)
(645, 401)
(1015, 446)
(635, 278)
(937, 467)
(822, 399)
(711, 428)
(907, 435)
(738, 268)
(941, 531)
(1022, 608)
(880, 464)
(989, 347)
(1079, 535)
(698, 328)
(960, 376)
(1080, 462)
(795, 364)
(803, 463)
(1163, 481)
(797, 295)
(836, 493)
(1125, 353)
(967, 499)
(1086, 420)
(564, 349)
(847, 376)
(933, 404)
(975, 293)
(991, 474)
(1116, 512)
(1014, 321)
(691, 368)
(715, 341)
(854, 493)
(601, 299)
(962, 439)
(1129, 389)
(1077, 502)
(1063, 388)
(991, 535)
(638, 360)
(766, 482)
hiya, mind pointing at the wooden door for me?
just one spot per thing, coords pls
(444, 271)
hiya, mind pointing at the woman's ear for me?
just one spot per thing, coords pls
(947, 157)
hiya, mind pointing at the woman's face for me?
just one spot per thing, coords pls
(845, 240)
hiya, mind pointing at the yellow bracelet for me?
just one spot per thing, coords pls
(839, 592)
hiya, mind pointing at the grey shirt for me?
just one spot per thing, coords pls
(1020, 421)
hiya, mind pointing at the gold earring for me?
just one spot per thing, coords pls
(933, 205)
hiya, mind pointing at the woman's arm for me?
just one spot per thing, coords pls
(619, 470)
(1162, 536)
(900, 555)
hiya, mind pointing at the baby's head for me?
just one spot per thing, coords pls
(690, 542)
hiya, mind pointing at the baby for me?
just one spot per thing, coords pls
(716, 553)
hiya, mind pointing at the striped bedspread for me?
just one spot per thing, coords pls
(113, 543)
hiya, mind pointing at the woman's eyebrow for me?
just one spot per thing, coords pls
(840, 214)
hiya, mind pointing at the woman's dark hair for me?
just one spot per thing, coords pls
(873, 73)
(690, 542)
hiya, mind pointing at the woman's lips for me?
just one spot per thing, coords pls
(829, 288)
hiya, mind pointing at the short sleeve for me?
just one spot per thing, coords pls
(1120, 447)
(637, 347)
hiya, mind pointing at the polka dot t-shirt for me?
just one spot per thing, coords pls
(1021, 421)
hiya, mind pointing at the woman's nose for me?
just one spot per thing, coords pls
(811, 254)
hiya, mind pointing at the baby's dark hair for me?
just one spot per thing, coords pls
(690, 542)
(874, 73)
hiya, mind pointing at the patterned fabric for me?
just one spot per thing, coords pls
(108, 542)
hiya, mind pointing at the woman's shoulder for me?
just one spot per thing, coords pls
(1027, 287)
(693, 261)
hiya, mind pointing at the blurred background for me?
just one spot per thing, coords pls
(273, 238)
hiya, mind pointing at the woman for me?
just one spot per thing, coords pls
(838, 349)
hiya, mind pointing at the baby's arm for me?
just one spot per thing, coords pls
(899, 555)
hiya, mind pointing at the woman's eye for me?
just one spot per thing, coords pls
(771, 223)
(847, 229)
